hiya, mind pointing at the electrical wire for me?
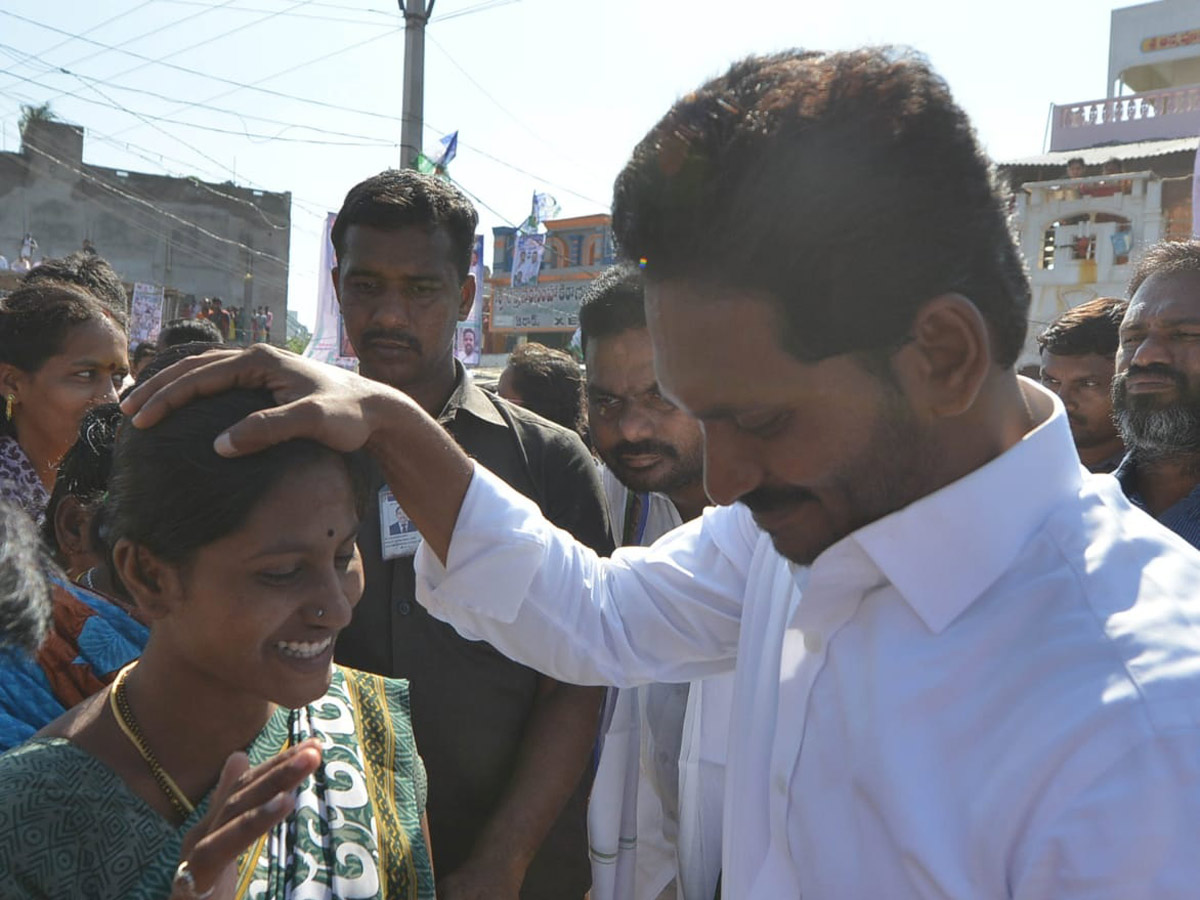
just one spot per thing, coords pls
(99, 182)
(153, 31)
(107, 21)
(241, 116)
(296, 15)
(206, 41)
(322, 104)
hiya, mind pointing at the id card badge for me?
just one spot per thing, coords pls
(397, 534)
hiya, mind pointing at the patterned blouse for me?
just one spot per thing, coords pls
(19, 482)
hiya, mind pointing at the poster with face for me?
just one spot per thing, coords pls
(468, 337)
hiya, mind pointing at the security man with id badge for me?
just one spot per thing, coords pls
(506, 750)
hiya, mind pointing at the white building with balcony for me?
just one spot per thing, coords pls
(1081, 236)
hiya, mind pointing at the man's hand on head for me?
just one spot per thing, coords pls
(426, 470)
(316, 401)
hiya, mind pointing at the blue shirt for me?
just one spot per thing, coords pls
(1183, 517)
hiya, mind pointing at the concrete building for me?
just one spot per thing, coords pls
(1081, 236)
(194, 238)
(577, 250)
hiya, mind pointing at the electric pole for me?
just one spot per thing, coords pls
(412, 119)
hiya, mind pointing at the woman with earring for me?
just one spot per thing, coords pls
(62, 350)
(233, 759)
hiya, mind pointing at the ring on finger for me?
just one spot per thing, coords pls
(185, 884)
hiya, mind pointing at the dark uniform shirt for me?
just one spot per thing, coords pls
(470, 704)
(1183, 517)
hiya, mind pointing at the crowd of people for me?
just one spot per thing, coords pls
(795, 589)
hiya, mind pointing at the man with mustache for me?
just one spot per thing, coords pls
(1077, 352)
(1156, 391)
(654, 821)
(962, 666)
(505, 749)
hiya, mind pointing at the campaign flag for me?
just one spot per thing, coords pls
(329, 343)
(437, 165)
(468, 337)
(544, 207)
(527, 258)
(145, 314)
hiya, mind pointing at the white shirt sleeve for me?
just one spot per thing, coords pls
(666, 613)
(1128, 835)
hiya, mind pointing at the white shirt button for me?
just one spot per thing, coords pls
(813, 642)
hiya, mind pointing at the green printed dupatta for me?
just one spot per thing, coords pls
(71, 828)
(356, 830)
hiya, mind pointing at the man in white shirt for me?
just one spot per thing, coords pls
(965, 668)
(654, 822)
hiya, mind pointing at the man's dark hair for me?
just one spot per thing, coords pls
(399, 198)
(189, 331)
(1076, 159)
(847, 186)
(614, 303)
(143, 351)
(1165, 258)
(93, 274)
(550, 384)
(1092, 327)
(25, 572)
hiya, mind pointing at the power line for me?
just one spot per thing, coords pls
(485, 92)
(323, 104)
(294, 15)
(133, 198)
(477, 8)
(310, 62)
(50, 69)
(107, 21)
(155, 230)
(153, 31)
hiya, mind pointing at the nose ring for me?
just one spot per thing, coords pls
(320, 611)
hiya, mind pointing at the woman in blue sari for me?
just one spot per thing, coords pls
(233, 759)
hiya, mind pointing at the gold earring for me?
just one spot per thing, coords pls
(8, 406)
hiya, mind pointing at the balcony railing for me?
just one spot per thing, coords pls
(1155, 115)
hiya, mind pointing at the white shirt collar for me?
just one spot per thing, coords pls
(943, 551)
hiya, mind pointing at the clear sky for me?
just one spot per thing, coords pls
(546, 94)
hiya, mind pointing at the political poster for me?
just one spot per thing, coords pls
(329, 341)
(145, 314)
(527, 259)
(468, 337)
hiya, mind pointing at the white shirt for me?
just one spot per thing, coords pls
(654, 816)
(994, 692)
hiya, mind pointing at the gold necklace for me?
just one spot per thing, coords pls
(124, 716)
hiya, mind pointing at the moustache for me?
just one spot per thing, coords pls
(766, 500)
(644, 448)
(403, 338)
(1161, 370)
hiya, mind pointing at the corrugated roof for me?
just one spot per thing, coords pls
(1095, 156)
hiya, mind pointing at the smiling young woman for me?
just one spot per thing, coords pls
(62, 351)
(246, 570)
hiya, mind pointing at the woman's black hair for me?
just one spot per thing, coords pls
(84, 470)
(35, 320)
(171, 493)
(25, 572)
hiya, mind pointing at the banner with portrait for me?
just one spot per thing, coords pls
(145, 314)
(468, 336)
(329, 341)
(527, 258)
